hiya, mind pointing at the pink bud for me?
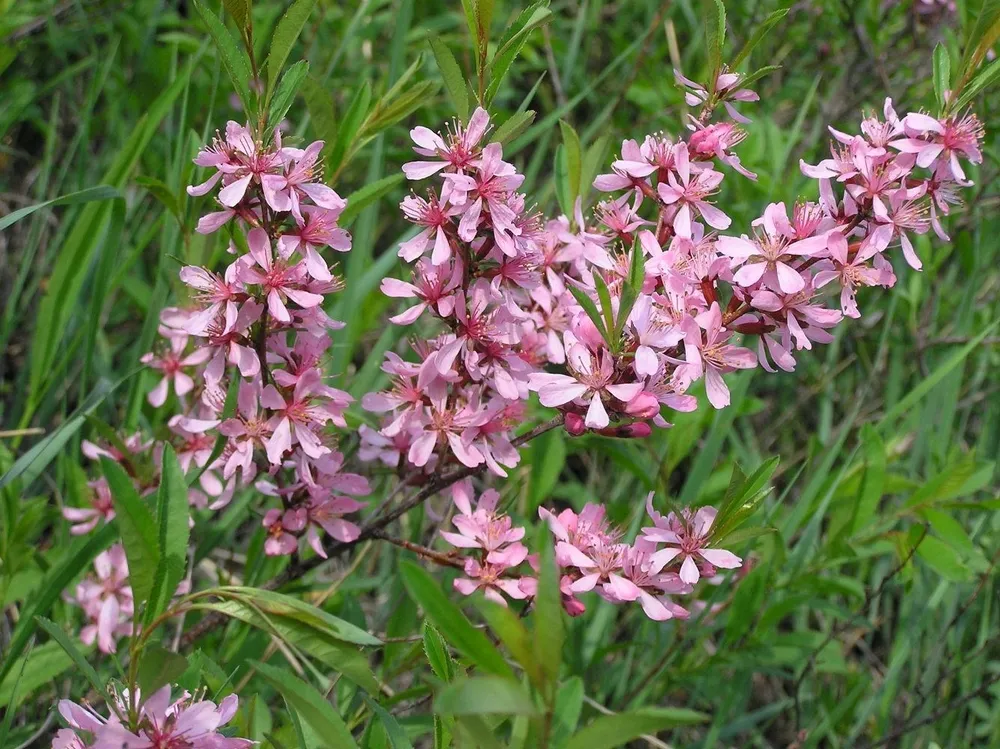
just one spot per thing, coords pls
(574, 425)
(636, 430)
(644, 405)
(584, 329)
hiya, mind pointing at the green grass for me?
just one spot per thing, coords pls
(846, 629)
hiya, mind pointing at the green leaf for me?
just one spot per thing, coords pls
(985, 78)
(982, 37)
(81, 663)
(30, 465)
(547, 619)
(36, 670)
(630, 290)
(309, 705)
(81, 553)
(336, 654)
(715, 37)
(397, 736)
(159, 667)
(172, 521)
(291, 607)
(450, 620)
(319, 104)
(512, 633)
(548, 457)
(942, 75)
(485, 695)
(284, 96)
(513, 127)
(616, 730)
(945, 485)
(367, 195)
(350, 125)
(139, 534)
(234, 59)
(101, 192)
(943, 559)
(758, 74)
(436, 651)
(513, 42)
(239, 10)
(584, 300)
(283, 39)
(163, 194)
(454, 81)
(571, 142)
(593, 160)
(566, 714)
(758, 35)
(873, 481)
(607, 310)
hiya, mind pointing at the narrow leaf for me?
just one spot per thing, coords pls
(485, 695)
(285, 34)
(454, 81)
(616, 730)
(138, 530)
(101, 192)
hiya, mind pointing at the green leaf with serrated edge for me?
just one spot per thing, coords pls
(571, 142)
(361, 199)
(437, 653)
(630, 290)
(319, 104)
(607, 310)
(272, 602)
(715, 36)
(284, 96)
(985, 78)
(159, 667)
(943, 559)
(138, 529)
(610, 731)
(873, 479)
(101, 192)
(567, 710)
(172, 522)
(584, 300)
(506, 625)
(485, 695)
(758, 74)
(593, 160)
(336, 654)
(163, 194)
(82, 664)
(450, 621)
(454, 81)
(234, 59)
(513, 126)
(397, 736)
(81, 553)
(758, 35)
(549, 630)
(285, 34)
(349, 125)
(310, 706)
(391, 109)
(743, 535)
(942, 75)
(512, 43)
(239, 10)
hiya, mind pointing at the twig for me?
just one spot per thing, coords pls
(298, 568)
(954, 704)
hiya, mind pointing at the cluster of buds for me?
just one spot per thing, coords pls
(187, 721)
(262, 323)
(590, 554)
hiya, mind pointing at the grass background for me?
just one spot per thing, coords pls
(871, 611)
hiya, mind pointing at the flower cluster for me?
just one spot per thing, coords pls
(590, 554)
(161, 722)
(261, 323)
(106, 600)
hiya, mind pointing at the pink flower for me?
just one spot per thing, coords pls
(485, 529)
(457, 152)
(319, 229)
(591, 377)
(281, 524)
(766, 258)
(327, 513)
(490, 579)
(239, 160)
(284, 192)
(687, 538)
(106, 600)
(690, 192)
(85, 519)
(278, 281)
(712, 355)
(172, 364)
(434, 217)
(310, 405)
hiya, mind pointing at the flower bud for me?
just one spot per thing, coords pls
(574, 425)
(644, 405)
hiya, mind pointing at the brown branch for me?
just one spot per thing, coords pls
(372, 529)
